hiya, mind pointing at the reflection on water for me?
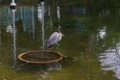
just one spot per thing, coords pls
(54, 66)
(0, 25)
(43, 32)
(91, 41)
(39, 12)
(14, 34)
(58, 13)
(9, 28)
(102, 33)
(58, 16)
(110, 60)
(33, 22)
(90, 48)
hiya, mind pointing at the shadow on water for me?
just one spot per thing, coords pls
(91, 41)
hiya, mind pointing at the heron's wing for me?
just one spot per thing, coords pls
(53, 39)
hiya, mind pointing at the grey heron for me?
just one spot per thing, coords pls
(54, 38)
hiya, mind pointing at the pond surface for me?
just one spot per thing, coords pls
(91, 43)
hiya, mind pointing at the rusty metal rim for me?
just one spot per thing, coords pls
(44, 62)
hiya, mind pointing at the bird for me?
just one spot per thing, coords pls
(54, 38)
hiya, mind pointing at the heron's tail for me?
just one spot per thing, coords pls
(49, 46)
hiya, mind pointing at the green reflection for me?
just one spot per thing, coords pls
(91, 28)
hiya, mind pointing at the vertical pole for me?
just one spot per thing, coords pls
(33, 23)
(14, 35)
(43, 25)
(0, 26)
(13, 1)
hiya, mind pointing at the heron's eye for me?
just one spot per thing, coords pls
(59, 35)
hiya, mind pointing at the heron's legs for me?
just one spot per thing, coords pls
(58, 44)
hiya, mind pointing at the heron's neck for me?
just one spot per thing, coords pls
(60, 36)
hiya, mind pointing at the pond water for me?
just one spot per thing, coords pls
(91, 43)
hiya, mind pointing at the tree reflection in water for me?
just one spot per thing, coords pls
(110, 60)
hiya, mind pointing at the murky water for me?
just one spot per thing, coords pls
(91, 43)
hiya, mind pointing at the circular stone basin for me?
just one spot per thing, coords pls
(40, 56)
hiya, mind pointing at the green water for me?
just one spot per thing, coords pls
(91, 43)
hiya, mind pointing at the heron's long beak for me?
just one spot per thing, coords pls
(63, 35)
